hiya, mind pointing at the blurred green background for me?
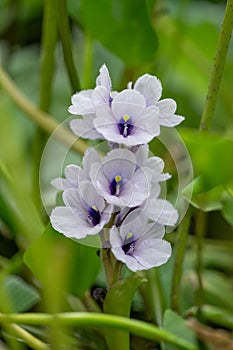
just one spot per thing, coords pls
(174, 40)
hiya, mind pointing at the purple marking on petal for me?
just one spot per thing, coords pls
(128, 246)
(93, 217)
(125, 127)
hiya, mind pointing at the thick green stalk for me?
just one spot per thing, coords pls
(48, 46)
(86, 319)
(64, 30)
(180, 249)
(205, 123)
(42, 119)
(218, 68)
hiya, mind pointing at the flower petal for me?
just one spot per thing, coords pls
(161, 211)
(167, 108)
(104, 78)
(129, 102)
(119, 162)
(151, 253)
(85, 128)
(65, 221)
(82, 103)
(150, 87)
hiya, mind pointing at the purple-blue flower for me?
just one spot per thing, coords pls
(119, 180)
(128, 121)
(138, 244)
(85, 212)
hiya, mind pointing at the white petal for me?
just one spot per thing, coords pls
(65, 221)
(134, 223)
(85, 128)
(104, 78)
(119, 162)
(150, 87)
(170, 120)
(82, 103)
(149, 121)
(100, 96)
(60, 183)
(152, 252)
(90, 196)
(91, 156)
(142, 154)
(162, 211)
(74, 175)
(72, 199)
(129, 102)
(166, 106)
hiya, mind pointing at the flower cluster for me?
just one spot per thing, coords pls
(121, 191)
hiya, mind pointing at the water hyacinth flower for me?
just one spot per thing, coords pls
(138, 244)
(84, 104)
(85, 212)
(151, 88)
(156, 164)
(159, 210)
(153, 208)
(119, 180)
(128, 121)
(74, 174)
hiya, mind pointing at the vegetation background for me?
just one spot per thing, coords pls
(53, 48)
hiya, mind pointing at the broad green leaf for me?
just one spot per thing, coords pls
(17, 208)
(61, 263)
(18, 295)
(118, 301)
(176, 325)
(122, 26)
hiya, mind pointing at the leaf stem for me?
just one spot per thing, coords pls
(64, 30)
(28, 338)
(84, 319)
(183, 231)
(217, 69)
(42, 119)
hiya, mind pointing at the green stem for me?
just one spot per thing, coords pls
(86, 319)
(155, 295)
(42, 119)
(63, 25)
(200, 228)
(88, 57)
(183, 231)
(218, 67)
(48, 46)
(28, 338)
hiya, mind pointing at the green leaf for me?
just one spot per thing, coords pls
(176, 325)
(17, 209)
(61, 263)
(200, 197)
(18, 295)
(122, 26)
(227, 208)
(211, 156)
(118, 301)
